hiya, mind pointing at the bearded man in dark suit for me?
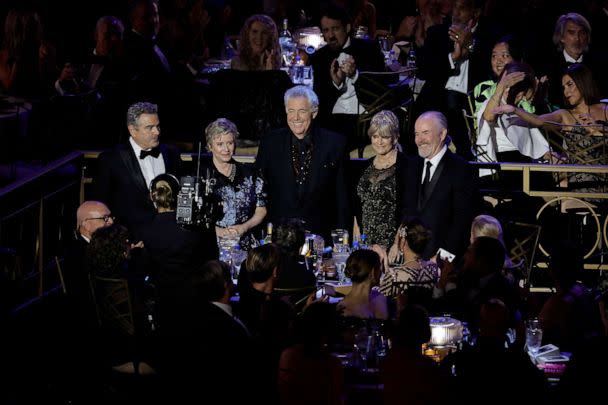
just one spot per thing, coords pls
(303, 166)
(126, 171)
(441, 188)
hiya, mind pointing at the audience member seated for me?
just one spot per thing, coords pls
(258, 46)
(253, 100)
(481, 279)
(364, 301)
(409, 376)
(570, 316)
(417, 17)
(487, 225)
(27, 59)
(122, 336)
(239, 188)
(412, 238)
(506, 50)
(289, 236)
(571, 38)
(336, 69)
(210, 350)
(308, 372)
(453, 60)
(484, 372)
(88, 111)
(266, 316)
(579, 124)
(380, 188)
(500, 139)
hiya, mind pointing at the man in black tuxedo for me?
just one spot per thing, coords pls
(336, 78)
(441, 189)
(303, 166)
(126, 171)
(455, 57)
(571, 37)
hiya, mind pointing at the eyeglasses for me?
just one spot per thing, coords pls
(105, 218)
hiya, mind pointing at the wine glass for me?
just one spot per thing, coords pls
(534, 335)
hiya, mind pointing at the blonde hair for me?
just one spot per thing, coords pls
(384, 123)
(220, 126)
(487, 225)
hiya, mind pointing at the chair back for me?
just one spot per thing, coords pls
(379, 91)
(113, 303)
(522, 241)
(413, 292)
(252, 100)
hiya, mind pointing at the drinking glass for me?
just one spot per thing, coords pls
(534, 335)
(340, 239)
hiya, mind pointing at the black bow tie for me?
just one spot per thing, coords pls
(154, 152)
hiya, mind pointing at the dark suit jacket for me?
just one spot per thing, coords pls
(121, 185)
(451, 203)
(324, 204)
(434, 65)
(555, 66)
(368, 57)
(173, 252)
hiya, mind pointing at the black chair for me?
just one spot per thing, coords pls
(379, 91)
(252, 100)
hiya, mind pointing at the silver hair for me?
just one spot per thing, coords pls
(439, 118)
(384, 123)
(560, 28)
(219, 127)
(137, 109)
(303, 91)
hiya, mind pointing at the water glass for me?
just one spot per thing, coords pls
(340, 239)
(534, 335)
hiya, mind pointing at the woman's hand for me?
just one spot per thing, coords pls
(237, 230)
(509, 79)
(267, 58)
(393, 253)
(504, 109)
(383, 256)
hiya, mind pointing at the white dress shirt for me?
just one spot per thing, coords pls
(150, 166)
(348, 103)
(434, 162)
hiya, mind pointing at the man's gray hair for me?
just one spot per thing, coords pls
(439, 118)
(137, 109)
(303, 91)
(560, 28)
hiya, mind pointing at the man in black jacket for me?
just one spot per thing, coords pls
(336, 69)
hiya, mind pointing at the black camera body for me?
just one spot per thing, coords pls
(196, 205)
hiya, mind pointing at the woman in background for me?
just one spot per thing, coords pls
(582, 123)
(259, 47)
(364, 268)
(412, 238)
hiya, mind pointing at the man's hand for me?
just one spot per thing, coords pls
(462, 38)
(237, 230)
(342, 68)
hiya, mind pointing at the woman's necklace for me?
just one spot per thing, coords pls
(228, 171)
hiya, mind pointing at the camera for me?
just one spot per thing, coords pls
(196, 205)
